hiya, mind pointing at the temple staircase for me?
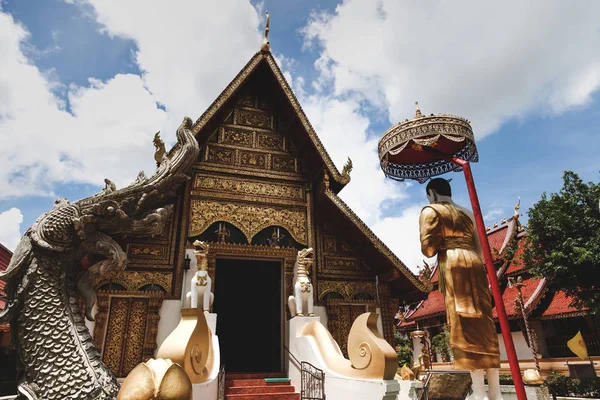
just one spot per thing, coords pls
(259, 386)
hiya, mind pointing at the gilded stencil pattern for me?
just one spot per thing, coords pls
(347, 289)
(282, 163)
(220, 155)
(255, 119)
(115, 334)
(237, 136)
(271, 142)
(255, 160)
(329, 244)
(152, 251)
(250, 188)
(135, 335)
(134, 280)
(341, 264)
(250, 219)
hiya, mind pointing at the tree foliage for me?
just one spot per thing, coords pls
(563, 243)
(441, 344)
(403, 349)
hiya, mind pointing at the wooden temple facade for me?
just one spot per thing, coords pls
(262, 188)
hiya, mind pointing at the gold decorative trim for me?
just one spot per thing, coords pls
(379, 245)
(250, 219)
(134, 280)
(249, 171)
(232, 188)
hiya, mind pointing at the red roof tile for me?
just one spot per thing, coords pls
(560, 304)
(510, 294)
(496, 238)
(434, 304)
(517, 264)
(5, 256)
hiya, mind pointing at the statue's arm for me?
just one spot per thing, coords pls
(430, 229)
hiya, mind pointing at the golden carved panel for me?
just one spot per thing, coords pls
(147, 251)
(271, 142)
(341, 315)
(239, 186)
(329, 245)
(284, 163)
(134, 280)
(237, 136)
(340, 264)
(250, 219)
(347, 289)
(252, 159)
(219, 155)
(126, 328)
(115, 334)
(255, 119)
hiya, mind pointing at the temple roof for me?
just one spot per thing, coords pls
(274, 83)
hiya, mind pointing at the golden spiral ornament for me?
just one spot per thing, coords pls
(362, 356)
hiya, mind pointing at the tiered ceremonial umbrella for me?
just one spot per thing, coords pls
(430, 145)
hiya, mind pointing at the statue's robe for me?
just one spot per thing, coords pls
(448, 231)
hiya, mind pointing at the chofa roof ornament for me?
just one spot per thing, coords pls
(401, 152)
(266, 45)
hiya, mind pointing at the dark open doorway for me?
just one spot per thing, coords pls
(249, 319)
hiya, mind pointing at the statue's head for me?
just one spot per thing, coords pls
(436, 188)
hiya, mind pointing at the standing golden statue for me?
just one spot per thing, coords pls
(448, 231)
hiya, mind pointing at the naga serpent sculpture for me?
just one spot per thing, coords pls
(59, 255)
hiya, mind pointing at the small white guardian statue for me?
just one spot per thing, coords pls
(201, 283)
(303, 289)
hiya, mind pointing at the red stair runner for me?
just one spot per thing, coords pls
(254, 387)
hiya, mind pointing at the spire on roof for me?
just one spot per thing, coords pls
(516, 214)
(266, 45)
(418, 114)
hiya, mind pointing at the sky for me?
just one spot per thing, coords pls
(85, 85)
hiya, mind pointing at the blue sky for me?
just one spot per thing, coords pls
(87, 83)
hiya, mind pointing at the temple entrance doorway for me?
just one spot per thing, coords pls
(248, 303)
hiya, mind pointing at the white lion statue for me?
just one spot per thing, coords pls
(303, 290)
(201, 283)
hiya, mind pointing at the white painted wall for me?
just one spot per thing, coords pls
(523, 351)
(170, 315)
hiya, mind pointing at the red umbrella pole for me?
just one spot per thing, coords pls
(491, 271)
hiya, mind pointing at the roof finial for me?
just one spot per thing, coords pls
(266, 45)
(418, 115)
(516, 214)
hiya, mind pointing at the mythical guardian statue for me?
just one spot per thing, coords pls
(201, 283)
(59, 255)
(303, 289)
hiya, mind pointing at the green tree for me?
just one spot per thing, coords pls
(402, 345)
(441, 344)
(563, 243)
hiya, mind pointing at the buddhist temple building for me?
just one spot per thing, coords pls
(262, 188)
(8, 359)
(552, 320)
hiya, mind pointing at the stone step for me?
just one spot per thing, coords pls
(264, 396)
(252, 382)
(254, 375)
(260, 389)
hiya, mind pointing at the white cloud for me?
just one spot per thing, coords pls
(188, 52)
(485, 61)
(10, 223)
(401, 234)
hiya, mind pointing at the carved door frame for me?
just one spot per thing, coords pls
(126, 347)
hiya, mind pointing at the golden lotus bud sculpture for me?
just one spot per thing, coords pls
(158, 379)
